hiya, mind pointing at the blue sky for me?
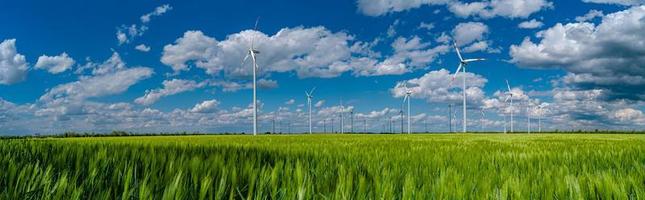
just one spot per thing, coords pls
(175, 66)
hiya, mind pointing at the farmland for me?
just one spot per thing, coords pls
(416, 166)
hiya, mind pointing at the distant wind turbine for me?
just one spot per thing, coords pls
(252, 52)
(342, 109)
(351, 120)
(510, 97)
(462, 65)
(408, 92)
(310, 95)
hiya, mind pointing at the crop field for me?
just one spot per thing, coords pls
(416, 166)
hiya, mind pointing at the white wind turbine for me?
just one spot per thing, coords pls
(462, 65)
(252, 52)
(310, 95)
(408, 92)
(510, 96)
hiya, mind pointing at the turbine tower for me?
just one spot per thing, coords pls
(408, 92)
(462, 65)
(310, 95)
(450, 117)
(342, 109)
(351, 120)
(252, 52)
(510, 93)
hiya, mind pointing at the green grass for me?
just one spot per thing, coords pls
(460, 166)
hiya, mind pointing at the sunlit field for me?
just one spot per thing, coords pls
(457, 166)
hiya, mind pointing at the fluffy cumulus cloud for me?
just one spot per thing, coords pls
(309, 52)
(76, 98)
(483, 9)
(608, 55)
(468, 32)
(531, 24)
(170, 87)
(55, 64)
(439, 87)
(206, 106)
(472, 37)
(587, 109)
(13, 66)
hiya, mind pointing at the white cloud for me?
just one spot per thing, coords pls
(309, 52)
(125, 34)
(629, 115)
(55, 64)
(477, 46)
(112, 64)
(592, 14)
(426, 26)
(598, 56)
(619, 2)
(435, 87)
(157, 12)
(381, 7)
(13, 66)
(98, 86)
(142, 48)
(267, 84)
(170, 87)
(391, 31)
(206, 106)
(504, 8)
(319, 103)
(484, 9)
(532, 24)
(468, 32)
(290, 102)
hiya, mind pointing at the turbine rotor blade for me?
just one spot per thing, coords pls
(509, 87)
(456, 72)
(458, 53)
(312, 91)
(255, 28)
(474, 60)
(244, 60)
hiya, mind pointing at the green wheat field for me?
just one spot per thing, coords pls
(416, 166)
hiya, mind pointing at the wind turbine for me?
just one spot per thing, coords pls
(408, 92)
(462, 65)
(252, 52)
(310, 95)
(342, 109)
(450, 117)
(351, 120)
(510, 93)
(401, 115)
